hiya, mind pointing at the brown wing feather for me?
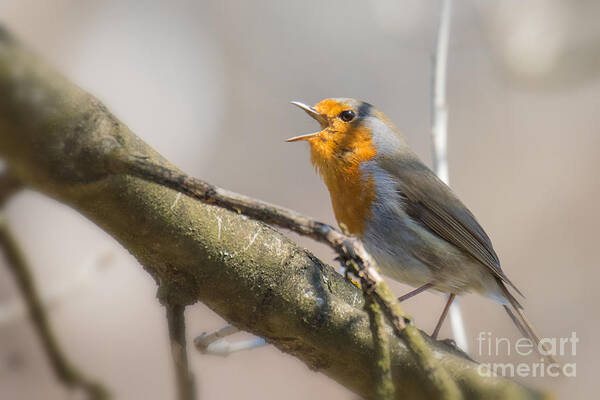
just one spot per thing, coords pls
(429, 200)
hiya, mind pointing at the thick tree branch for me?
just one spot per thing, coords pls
(63, 142)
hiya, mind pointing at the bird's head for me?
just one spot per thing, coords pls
(352, 132)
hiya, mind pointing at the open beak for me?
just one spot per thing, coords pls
(302, 137)
(321, 119)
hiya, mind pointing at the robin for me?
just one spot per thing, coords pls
(411, 223)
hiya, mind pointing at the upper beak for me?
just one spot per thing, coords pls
(321, 119)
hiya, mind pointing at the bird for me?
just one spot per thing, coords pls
(411, 223)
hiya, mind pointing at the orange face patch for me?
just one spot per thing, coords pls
(337, 153)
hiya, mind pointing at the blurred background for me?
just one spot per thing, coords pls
(207, 84)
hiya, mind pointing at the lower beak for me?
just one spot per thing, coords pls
(303, 137)
(321, 119)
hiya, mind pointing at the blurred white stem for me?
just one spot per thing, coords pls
(215, 343)
(224, 348)
(439, 132)
(439, 109)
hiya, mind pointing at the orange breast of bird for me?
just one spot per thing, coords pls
(338, 159)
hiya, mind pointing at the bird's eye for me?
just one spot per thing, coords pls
(347, 115)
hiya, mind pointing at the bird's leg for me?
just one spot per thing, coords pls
(415, 292)
(443, 316)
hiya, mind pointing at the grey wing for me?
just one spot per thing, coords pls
(430, 201)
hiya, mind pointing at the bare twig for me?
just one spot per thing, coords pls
(439, 109)
(186, 389)
(66, 373)
(439, 132)
(203, 341)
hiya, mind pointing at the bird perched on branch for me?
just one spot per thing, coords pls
(413, 225)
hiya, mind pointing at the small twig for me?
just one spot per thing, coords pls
(206, 339)
(63, 369)
(186, 389)
(224, 348)
(439, 133)
(441, 384)
(350, 250)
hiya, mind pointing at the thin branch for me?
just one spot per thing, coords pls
(439, 108)
(203, 341)
(439, 132)
(440, 384)
(65, 372)
(186, 389)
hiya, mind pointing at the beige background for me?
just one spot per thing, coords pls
(208, 84)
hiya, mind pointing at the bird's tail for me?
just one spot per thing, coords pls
(517, 315)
